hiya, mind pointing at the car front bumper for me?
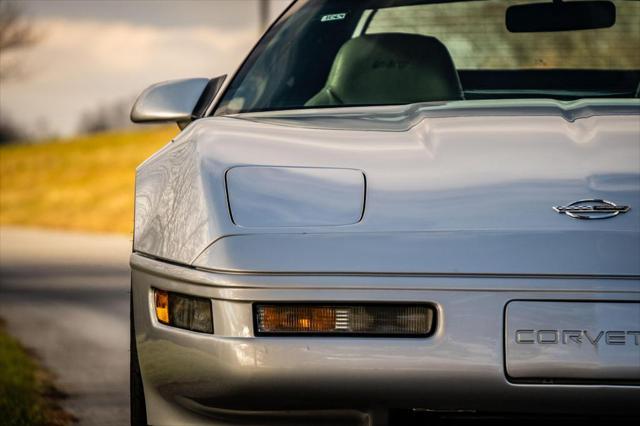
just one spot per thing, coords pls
(234, 377)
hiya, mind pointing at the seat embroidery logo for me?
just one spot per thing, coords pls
(591, 209)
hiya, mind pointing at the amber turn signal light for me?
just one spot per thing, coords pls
(162, 306)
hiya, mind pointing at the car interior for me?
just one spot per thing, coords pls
(392, 52)
(390, 67)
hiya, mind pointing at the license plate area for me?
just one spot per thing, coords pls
(565, 342)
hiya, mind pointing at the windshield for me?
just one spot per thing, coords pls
(335, 53)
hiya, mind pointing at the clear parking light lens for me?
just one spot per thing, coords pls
(182, 311)
(326, 319)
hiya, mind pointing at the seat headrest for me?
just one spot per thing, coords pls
(390, 68)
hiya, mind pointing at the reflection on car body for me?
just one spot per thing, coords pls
(361, 226)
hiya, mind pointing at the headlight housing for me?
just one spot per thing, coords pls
(184, 311)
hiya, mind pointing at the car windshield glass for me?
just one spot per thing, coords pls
(333, 53)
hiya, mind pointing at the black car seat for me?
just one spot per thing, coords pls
(390, 68)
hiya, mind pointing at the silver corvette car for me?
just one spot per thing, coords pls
(396, 212)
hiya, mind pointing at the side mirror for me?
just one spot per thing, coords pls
(181, 101)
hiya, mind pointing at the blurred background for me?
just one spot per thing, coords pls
(69, 73)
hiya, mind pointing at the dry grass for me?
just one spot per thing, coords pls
(84, 183)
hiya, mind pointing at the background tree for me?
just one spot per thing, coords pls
(16, 33)
(107, 116)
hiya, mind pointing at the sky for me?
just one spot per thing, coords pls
(97, 52)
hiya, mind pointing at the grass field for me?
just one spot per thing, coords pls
(84, 183)
(27, 396)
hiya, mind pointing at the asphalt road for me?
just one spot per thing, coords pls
(66, 297)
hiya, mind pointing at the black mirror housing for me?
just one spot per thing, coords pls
(208, 95)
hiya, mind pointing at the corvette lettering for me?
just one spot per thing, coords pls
(589, 337)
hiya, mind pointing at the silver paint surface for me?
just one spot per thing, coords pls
(404, 117)
(458, 213)
(573, 340)
(172, 100)
(295, 196)
(444, 252)
(458, 174)
(460, 367)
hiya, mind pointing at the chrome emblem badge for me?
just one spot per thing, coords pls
(592, 209)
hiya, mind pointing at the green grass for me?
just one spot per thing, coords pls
(20, 400)
(27, 394)
(84, 183)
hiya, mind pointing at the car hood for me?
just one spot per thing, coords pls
(461, 188)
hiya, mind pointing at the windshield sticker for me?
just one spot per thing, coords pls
(333, 17)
